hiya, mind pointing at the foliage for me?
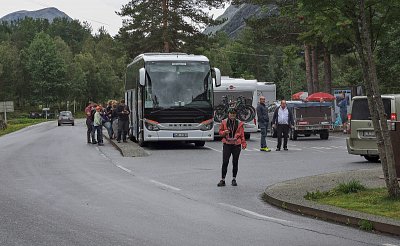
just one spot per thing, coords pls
(152, 24)
(366, 225)
(352, 186)
(47, 64)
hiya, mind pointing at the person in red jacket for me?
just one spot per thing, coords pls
(232, 132)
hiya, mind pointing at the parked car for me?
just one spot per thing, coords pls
(65, 117)
(361, 139)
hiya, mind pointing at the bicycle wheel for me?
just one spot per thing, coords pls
(246, 113)
(220, 114)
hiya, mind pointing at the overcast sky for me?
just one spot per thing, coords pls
(97, 12)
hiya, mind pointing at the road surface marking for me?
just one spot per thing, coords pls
(124, 168)
(164, 185)
(254, 213)
(214, 149)
(388, 244)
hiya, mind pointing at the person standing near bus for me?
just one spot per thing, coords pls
(232, 132)
(282, 121)
(123, 121)
(89, 122)
(263, 121)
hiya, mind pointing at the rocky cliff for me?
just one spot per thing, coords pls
(236, 17)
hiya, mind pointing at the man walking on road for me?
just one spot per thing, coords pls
(282, 122)
(263, 121)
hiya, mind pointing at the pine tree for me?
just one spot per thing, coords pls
(167, 25)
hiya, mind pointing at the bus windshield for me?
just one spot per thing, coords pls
(178, 84)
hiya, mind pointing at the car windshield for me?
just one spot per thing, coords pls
(64, 114)
(178, 84)
(360, 110)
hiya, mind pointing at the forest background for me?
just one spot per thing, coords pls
(45, 64)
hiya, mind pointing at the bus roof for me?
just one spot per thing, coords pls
(232, 84)
(170, 57)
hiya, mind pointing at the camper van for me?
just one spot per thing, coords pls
(362, 140)
(232, 88)
(268, 90)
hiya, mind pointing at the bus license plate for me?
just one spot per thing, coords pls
(180, 135)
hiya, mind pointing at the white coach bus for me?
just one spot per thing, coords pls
(171, 98)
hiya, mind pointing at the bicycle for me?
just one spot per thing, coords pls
(245, 112)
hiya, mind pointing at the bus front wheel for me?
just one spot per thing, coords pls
(199, 143)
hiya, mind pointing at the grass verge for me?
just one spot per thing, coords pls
(18, 124)
(354, 196)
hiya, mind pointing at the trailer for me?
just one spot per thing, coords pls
(232, 88)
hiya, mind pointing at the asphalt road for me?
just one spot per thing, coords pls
(57, 190)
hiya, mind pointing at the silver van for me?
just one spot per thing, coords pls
(362, 140)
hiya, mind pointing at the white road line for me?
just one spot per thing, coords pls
(124, 168)
(164, 185)
(388, 244)
(254, 213)
(220, 151)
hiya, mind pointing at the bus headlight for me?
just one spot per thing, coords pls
(207, 125)
(151, 125)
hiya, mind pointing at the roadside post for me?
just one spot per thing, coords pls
(46, 110)
(6, 106)
(394, 128)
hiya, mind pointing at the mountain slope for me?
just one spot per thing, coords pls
(236, 18)
(47, 13)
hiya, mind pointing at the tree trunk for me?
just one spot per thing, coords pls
(315, 79)
(2, 123)
(327, 70)
(307, 60)
(165, 26)
(376, 105)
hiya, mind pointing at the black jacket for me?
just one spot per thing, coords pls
(262, 114)
(275, 118)
(122, 116)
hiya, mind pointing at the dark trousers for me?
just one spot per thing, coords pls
(282, 129)
(123, 127)
(90, 131)
(99, 130)
(227, 151)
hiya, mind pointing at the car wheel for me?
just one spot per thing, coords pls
(247, 136)
(372, 158)
(324, 135)
(73, 124)
(59, 124)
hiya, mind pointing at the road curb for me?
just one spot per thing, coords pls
(129, 149)
(330, 213)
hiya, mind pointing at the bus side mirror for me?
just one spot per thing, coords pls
(217, 75)
(142, 77)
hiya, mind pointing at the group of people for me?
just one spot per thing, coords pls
(233, 139)
(114, 117)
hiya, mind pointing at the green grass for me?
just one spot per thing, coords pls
(356, 197)
(17, 124)
(371, 201)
